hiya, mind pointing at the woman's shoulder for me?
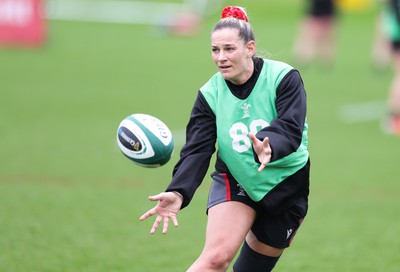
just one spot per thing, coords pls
(212, 82)
(276, 64)
(274, 69)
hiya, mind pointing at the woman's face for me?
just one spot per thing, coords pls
(232, 56)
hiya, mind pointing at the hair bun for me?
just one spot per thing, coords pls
(234, 12)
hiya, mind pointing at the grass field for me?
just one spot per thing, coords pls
(69, 200)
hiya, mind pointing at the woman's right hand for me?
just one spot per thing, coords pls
(169, 204)
(262, 149)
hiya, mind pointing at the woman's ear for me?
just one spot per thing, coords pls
(251, 48)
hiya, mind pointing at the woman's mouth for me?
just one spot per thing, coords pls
(224, 67)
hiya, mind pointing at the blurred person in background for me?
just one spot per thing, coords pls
(316, 36)
(254, 109)
(381, 53)
(391, 28)
(189, 20)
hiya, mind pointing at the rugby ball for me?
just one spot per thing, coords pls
(145, 140)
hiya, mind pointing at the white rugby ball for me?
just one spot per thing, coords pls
(145, 140)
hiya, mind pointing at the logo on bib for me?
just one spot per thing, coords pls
(246, 108)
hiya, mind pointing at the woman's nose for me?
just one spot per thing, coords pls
(221, 55)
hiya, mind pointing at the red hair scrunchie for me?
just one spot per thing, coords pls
(235, 12)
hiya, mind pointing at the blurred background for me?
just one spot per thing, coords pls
(70, 71)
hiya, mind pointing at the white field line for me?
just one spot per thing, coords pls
(125, 12)
(363, 112)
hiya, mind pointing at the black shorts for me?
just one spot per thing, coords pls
(396, 45)
(321, 8)
(277, 229)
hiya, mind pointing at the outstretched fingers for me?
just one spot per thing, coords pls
(262, 149)
(166, 224)
(157, 222)
(175, 221)
(253, 138)
(262, 166)
(266, 149)
(152, 211)
(147, 214)
(167, 207)
(266, 143)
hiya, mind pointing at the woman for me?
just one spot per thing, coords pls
(256, 110)
(316, 37)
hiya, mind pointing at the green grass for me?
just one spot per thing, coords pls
(69, 200)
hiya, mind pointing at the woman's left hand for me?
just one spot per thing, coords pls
(262, 149)
(168, 205)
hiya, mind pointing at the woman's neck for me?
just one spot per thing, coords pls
(246, 75)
